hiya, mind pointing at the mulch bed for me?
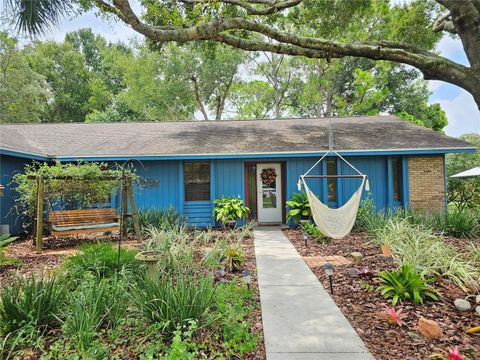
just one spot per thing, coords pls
(363, 306)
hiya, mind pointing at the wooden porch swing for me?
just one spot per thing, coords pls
(69, 222)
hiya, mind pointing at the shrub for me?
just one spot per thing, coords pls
(406, 284)
(233, 317)
(298, 207)
(86, 312)
(229, 209)
(32, 301)
(6, 260)
(234, 257)
(177, 251)
(174, 301)
(101, 259)
(460, 223)
(167, 219)
(314, 231)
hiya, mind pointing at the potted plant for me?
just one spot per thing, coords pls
(298, 208)
(229, 209)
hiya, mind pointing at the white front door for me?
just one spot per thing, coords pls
(269, 193)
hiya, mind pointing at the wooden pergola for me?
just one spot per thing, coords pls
(126, 191)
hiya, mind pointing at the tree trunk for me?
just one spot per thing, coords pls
(199, 99)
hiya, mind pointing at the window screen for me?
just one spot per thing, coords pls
(197, 181)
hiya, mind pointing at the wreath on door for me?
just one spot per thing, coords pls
(268, 176)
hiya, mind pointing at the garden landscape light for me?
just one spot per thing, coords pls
(305, 237)
(247, 278)
(329, 272)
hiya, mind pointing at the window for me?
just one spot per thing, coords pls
(197, 181)
(397, 179)
(332, 182)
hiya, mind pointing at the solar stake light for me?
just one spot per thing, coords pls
(247, 278)
(329, 272)
(305, 237)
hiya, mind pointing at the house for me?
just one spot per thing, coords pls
(189, 164)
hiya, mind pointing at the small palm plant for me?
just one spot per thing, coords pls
(298, 207)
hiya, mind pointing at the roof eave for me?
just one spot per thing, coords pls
(66, 158)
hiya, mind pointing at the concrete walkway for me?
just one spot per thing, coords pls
(300, 320)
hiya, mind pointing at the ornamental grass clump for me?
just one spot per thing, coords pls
(33, 302)
(427, 252)
(167, 219)
(173, 302)
(101, 259)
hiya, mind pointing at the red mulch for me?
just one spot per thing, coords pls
(363, 307)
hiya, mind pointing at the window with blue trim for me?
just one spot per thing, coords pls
(397, 177)
(197, 181)
(332, 182)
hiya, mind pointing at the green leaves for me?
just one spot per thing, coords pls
(229, 209)
(298, 207)
(406, 284)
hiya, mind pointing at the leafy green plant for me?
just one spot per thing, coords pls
(6, 239)
(406, 284)
(229, 209)
(86, 312)
(30, 302)
(174, 301)
(100, 259)
(233, 316)
(314, 231)
(6, 260)
(460, 222)
(234, 257)
(298, 207)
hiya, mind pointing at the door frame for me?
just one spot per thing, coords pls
(283, 165)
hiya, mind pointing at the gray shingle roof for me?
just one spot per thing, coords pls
(372, 133)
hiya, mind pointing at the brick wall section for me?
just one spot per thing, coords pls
(426, 182)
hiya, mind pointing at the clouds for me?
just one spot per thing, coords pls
(462, 111)
(463, 115)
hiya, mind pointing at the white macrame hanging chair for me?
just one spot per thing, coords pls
(334, 223)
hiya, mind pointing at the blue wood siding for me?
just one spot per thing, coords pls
(229, 178)
(376, 170)
(297, 167)
(163, 184)
(9, 166)
(199, 213)
(160, 185)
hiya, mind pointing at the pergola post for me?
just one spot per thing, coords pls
(124, 208)
(131, 199)
(39, 215)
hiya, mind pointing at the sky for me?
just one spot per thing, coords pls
(463, 114)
